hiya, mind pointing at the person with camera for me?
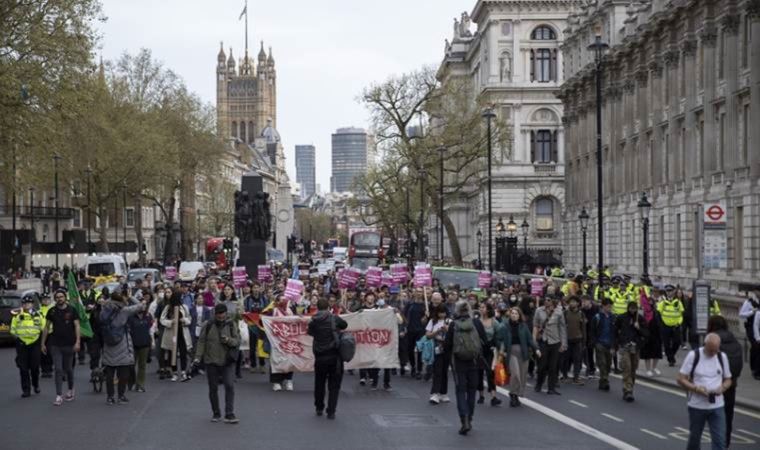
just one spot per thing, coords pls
(217, 349)
(328, 366)
(706, 375)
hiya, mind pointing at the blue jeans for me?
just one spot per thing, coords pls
(716, 420)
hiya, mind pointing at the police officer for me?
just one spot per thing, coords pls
(671, 311)
(619, 297)
(26, 327)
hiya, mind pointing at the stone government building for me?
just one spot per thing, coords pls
(680, 122)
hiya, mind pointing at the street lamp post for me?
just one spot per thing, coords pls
(88, 172)
(421, 244)
(511, 241)
(56, 158)
(13, 210)
(525, 228)
(71, 252)
(441, 150)
(644, 207)
(598, 47)
(583, 217)
(198, 233)
(31, 239)
(124, 221)
(489, 115)
(407, 219)
(479, 235)
(500, 233)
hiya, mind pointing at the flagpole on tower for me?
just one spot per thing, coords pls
(246, 26)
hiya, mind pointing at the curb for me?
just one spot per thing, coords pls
(747, 404)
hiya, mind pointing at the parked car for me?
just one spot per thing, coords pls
(134, 274)
(9, 302)
(105, 265)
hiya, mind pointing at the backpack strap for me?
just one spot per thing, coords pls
(695, 362)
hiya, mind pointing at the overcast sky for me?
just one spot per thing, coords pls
(326, 51)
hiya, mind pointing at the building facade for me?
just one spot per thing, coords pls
(513, 56)
(246, 95)
(350, 157)
(681, 88)
(306, 169)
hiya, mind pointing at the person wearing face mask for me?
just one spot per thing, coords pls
(61, 337)
(516, 341)
(26, 327)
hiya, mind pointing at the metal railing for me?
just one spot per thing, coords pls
(40, 212)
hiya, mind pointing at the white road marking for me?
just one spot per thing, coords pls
(582, 427)
(679, 393)
(652, 433)
(749, 433)
(578, 404)
(610, 416)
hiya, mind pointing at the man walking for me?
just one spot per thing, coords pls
(603, 338)
(218, 340)
(26, 327)
(61, 336)
(550, 331)
(328, 366)
(705, 374)
(465, 341)
(630, 333)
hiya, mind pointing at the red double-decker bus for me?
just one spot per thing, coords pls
(215, 253)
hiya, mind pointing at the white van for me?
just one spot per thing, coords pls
(188, 270)
(106, 265)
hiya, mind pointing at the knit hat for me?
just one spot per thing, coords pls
(220, 308)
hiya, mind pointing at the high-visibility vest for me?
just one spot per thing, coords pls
(671, 312)
(27, 326)
(593, 274)
(714, 308)
(556, 272)
(607, 272)
(606, 294)
(569, 288)
(619, 302)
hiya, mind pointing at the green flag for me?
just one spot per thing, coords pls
(84, 320)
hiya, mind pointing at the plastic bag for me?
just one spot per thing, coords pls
(500, 374)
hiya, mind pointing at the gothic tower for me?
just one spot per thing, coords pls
(245, 95)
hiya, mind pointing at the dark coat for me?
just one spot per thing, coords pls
(139, 327)
(320, 328)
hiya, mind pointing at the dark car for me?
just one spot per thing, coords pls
(10, 301)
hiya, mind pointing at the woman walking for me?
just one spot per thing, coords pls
(516, 343)
(491, 327)
(651, 351)
(183, 342)
(436, 330)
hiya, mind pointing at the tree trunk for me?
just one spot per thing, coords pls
(103, 231)
(451, 232)
(169, 251)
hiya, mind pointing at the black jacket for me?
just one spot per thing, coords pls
(139, 329)
(627, 333)
(733, 350)
(320, 328)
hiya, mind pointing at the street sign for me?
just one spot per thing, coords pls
(701, 305)
(715, 236)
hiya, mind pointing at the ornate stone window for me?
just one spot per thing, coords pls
(234, 129)
(543, 33)
(544, 211)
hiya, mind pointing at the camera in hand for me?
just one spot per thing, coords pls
(711, 397)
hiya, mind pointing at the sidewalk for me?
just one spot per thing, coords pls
(747, 394)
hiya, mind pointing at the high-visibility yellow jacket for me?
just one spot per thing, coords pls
(671, 312)
(714, 308)
(619, 301)
(593, 274)
(27, 326)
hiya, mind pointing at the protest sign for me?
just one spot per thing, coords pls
(171, 273)
(264, 274)
(293, 290)
(239, 276)
(484, 280)
(375, 331)
(374, 277)
(423, 275)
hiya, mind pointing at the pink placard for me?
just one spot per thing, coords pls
(171, 273)
(484, 280)
(537, 287)
(399, 274)
(293, 290)
(374, 277)
(239, 276)
(387, 280)
(423, 276)
(264, 274)
(349, 278)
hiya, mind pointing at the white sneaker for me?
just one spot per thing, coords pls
(444, 398)
(175, 377)
(288, 385)
(362, 381)
(276, 387)
(657, 372)
(435, 399)
(650, 373)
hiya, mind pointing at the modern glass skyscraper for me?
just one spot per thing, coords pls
(349, 158)
(305, 169)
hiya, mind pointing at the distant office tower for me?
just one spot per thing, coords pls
(305, 169)
(349, 158)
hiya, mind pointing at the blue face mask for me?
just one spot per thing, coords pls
(380, 302)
